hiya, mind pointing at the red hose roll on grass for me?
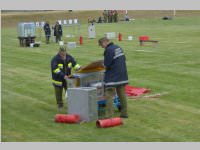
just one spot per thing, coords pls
(105, 123)
(67, 118)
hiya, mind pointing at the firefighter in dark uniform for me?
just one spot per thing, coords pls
(105, 16)
(116, 76)
(58, 31)
(47, 31)
(115, 16)
(61, 66)
(110, 16)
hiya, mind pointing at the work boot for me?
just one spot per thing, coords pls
(60, 105)
(124, 116)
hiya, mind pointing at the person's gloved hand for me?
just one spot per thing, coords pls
(78, 68)
(66, 77)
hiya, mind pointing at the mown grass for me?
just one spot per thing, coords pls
(172, 66)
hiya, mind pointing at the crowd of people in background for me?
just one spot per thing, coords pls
(110, 16)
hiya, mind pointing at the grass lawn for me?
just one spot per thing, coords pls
(171, 66)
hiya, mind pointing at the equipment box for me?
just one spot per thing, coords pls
(83, 102)
(86, 79)
(91, 75)
(71, 45)
(110, 35)
(26, 29)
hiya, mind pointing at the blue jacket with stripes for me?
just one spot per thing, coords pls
(115, 63)
(60, 68)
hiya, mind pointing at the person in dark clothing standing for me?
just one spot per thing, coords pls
(126, 17)
(115, 16)
(47, 31)
(116, 76)
(61, 66)
(58, 31)
(109, 16)
(105, 16)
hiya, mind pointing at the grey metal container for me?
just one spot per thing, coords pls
(94, 79)
(88, 78)
(83, 101)
(26, 29)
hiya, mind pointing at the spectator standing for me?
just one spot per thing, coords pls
(105, 16)
(58, 31)
(47, 31)
(115, 16)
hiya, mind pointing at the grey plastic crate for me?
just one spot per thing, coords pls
(83, 101)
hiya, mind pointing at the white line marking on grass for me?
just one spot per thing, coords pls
(174, 42)
(38, 101)
(183, 63)
(143, 50)
(180, 42)
(179, 107)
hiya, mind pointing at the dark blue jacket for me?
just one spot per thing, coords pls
(60, 68)
(47, 29)
(116, 71)
(59, 32)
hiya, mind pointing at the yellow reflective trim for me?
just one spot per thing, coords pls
(69, 65)
(60, 65)
(56, 82)
(77, 66)
(56, 70)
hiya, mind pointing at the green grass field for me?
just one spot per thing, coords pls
(171, 66)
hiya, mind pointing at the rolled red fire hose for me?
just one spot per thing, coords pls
(67, 118)
(111, 122)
